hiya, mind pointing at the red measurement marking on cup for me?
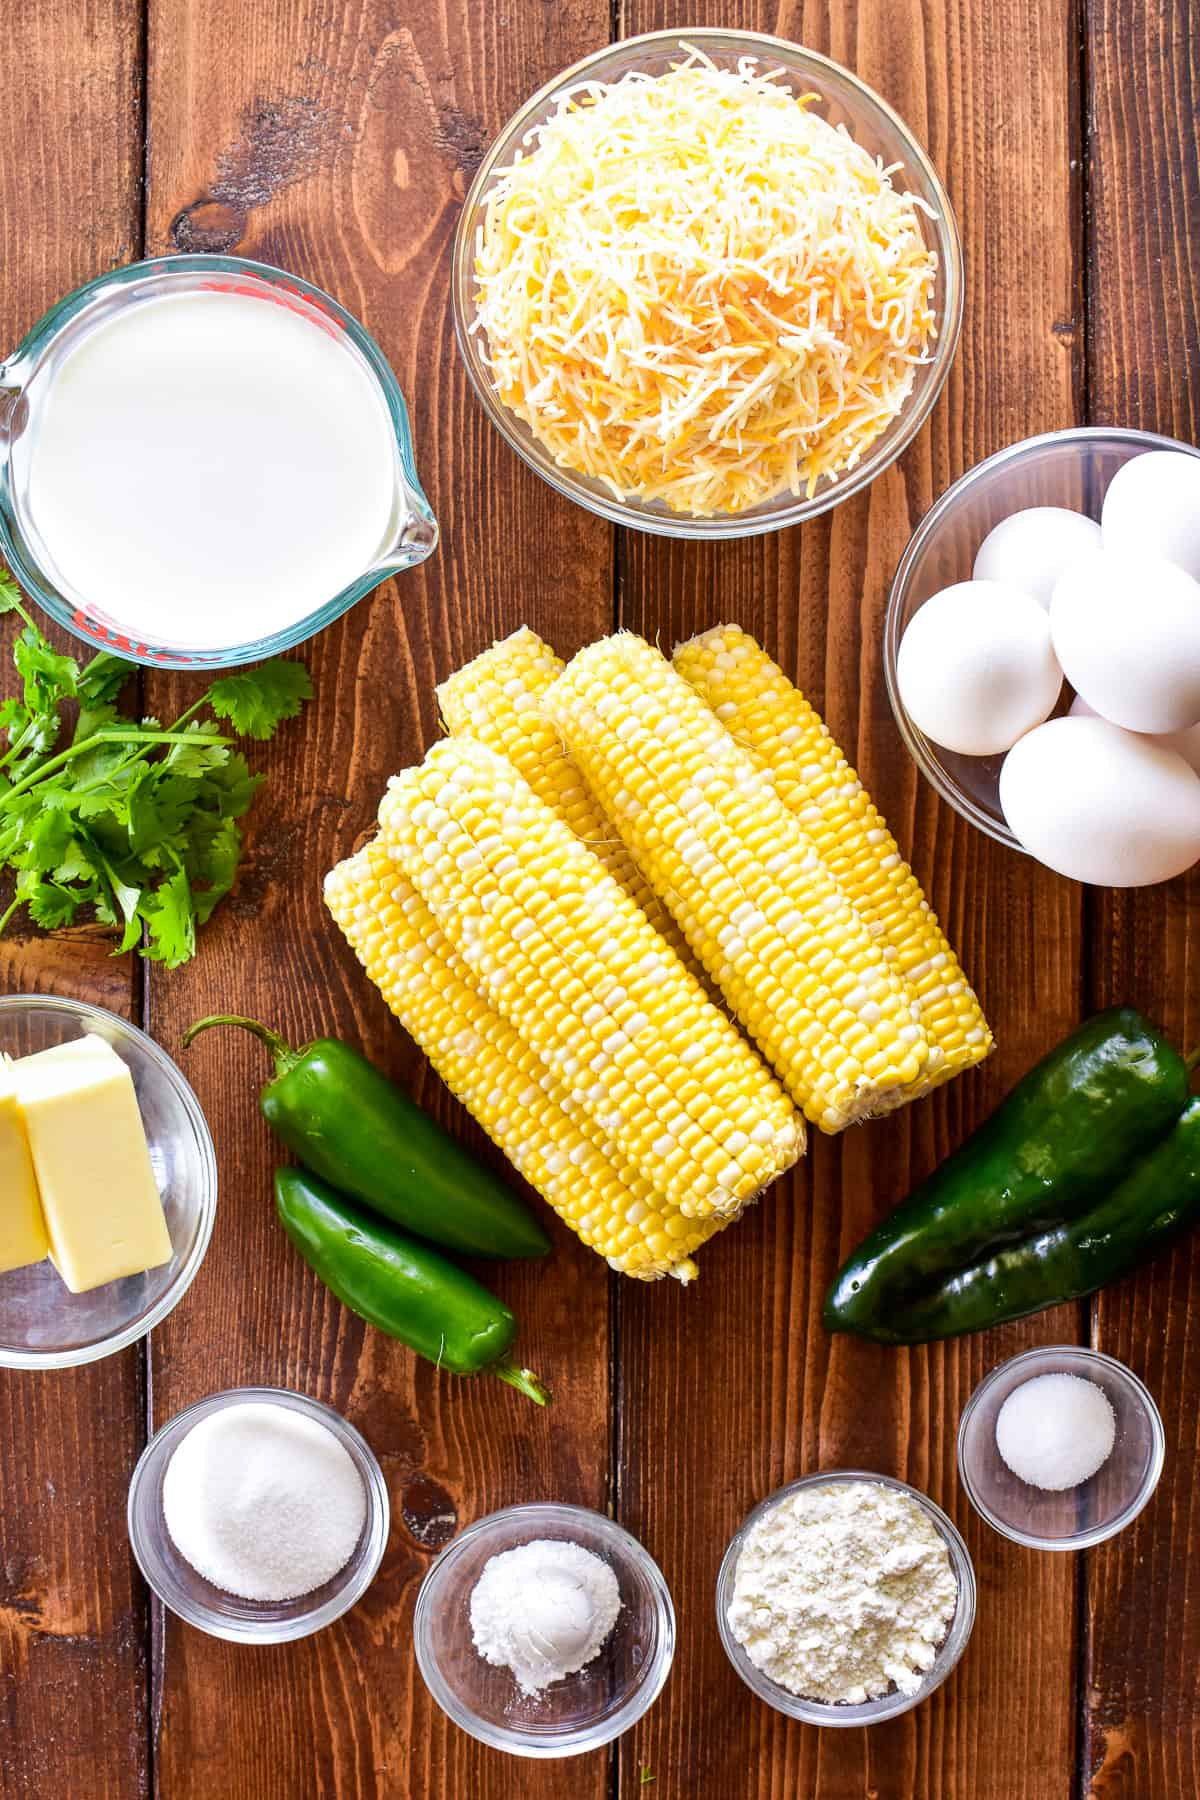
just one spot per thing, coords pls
(282, 294)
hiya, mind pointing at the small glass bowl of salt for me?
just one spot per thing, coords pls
(1060, 1448)
(270, 1490)
(502, 1686)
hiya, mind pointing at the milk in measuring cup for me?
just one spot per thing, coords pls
(208, 468)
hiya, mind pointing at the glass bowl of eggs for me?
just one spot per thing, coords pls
(654, 298)
(1042, 651)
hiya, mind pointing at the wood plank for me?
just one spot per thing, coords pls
(73, 1624)
(1141, 1729)
(742, 1362)
(339, 142)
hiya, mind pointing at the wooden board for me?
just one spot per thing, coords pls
(73, 1614)
(1141, 1724)
(338, 141)
(755, 1370)
(339, 146)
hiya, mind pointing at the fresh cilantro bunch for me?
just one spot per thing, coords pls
(135, 821)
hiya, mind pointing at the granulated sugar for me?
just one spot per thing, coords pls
(263, 1501)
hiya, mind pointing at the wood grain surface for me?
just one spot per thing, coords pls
(1141, 1720)
(774, 1386)
(339, 143)
(337, 138)
(73, 1611)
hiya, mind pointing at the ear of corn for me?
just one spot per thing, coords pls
(503, 1084)
(497, 700)
(564, 955)
(762, 913)
(757, 703)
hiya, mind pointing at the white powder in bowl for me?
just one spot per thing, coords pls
(544, 1610)
(1055, 1431)
(263, 1501)
(843, 1591)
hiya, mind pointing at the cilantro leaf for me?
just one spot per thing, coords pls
(256, 701)
(170, 918)
(51, 905)
(211, 858)
(98, 686)
(49, 839)
(106, 815)
(48, 676)
(197, 757)
(231, 788)
(10, 593)
(101, 680)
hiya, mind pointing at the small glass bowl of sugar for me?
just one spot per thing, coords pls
(241, 1506)
(1060, 1448)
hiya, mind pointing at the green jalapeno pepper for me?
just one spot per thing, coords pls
(400, 1286)
(346, 1121)
(1158, 1197)
(1048, 1152)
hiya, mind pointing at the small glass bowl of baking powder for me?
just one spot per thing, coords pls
(223, 1615)
(586, 1709)
(1071, 1518)
(884, 1706)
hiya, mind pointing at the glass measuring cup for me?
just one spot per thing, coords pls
(27, 379)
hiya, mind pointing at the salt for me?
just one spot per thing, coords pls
(1055, 1431)
(263, 1501)
(544, 1610)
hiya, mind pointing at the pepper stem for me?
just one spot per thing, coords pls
(524, 1380)
(1192, 1062)
(285, 1057)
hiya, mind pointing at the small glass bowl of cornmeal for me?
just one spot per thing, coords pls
(1060, 1448)
(96, 1140)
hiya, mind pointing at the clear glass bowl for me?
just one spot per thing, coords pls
(1069, 468)
(42, 1324)
(887, 1706)
(589, 1708)
(27, 373)
(1080, 1516)
(843, 99)
(209, 1608)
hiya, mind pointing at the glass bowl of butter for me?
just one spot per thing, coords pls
(108, 1183)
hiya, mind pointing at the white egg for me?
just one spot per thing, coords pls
(1126, 631)
(976, 668)
(1184, 743)
(1100, 804)
(1031, 549)
(1153, 506)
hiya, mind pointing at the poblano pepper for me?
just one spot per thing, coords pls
(1158, 1197)
(1050, 1152)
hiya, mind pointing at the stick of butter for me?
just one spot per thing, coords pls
(100, 1200)
(23, 1237)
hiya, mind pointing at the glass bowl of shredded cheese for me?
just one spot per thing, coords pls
(707, 284)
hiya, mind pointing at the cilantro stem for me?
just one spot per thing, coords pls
(18, 744)
(9, 911)
(14, 605)
(109, 735)
(194, 708)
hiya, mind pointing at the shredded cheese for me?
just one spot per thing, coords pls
(697, 291)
